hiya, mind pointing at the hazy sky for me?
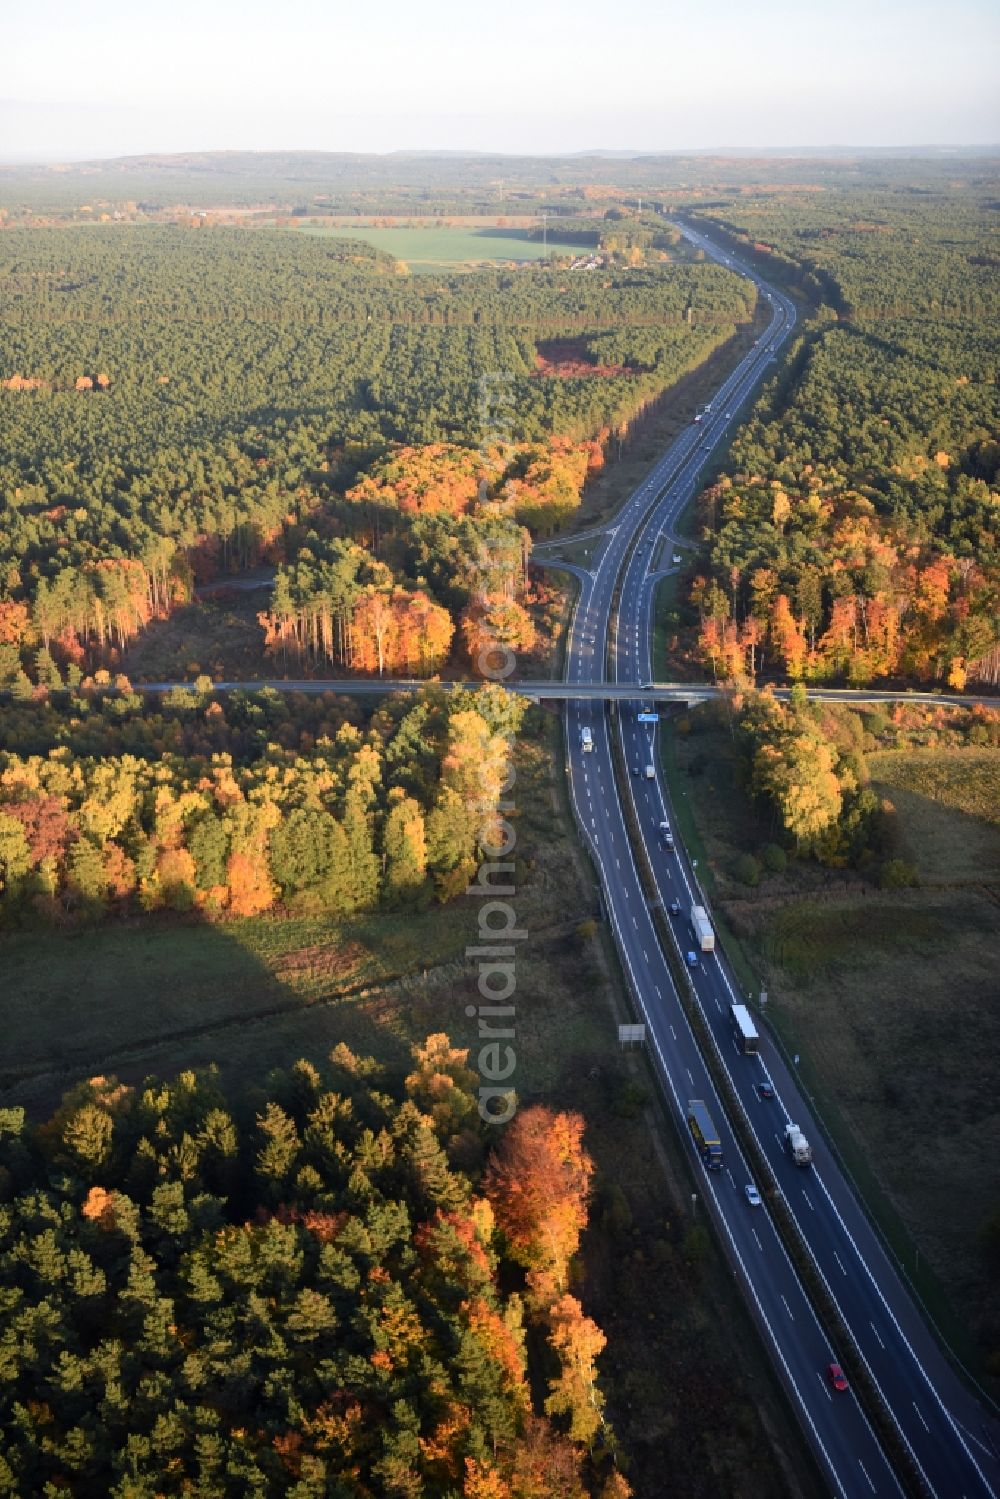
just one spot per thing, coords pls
(126, 76)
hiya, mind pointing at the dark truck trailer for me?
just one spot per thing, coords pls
(705, 1134)
(747, 1038)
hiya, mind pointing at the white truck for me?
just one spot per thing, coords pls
(797, 1145)
(745, 1031)
(650, 772)
(702, 928)
(586, 740)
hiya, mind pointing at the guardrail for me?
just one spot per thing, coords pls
(813, 1281)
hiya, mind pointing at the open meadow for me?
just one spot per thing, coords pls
(430, 248)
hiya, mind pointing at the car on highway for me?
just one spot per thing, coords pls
(676, 559)
(752, 1195)
(692, 960)
(675, 908)
(836, 1376)
(765, 1089)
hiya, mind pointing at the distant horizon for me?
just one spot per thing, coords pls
(916, 150)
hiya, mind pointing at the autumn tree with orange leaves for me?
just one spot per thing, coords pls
(538, 1180)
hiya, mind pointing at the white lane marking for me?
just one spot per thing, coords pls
(690, 1078)
(673, 1033)
(981, 1445)
(759, 1244)
(920, 1417)
(658, 990)
(787, 1307)
(876, 1332)
(822, 1382)
(809, 1205)
(932, 1388)
(865, 1472)
(839, 1261)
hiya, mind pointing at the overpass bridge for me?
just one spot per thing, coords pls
(588, 691)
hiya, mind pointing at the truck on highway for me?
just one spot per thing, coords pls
(650, 772)
(702, 928)
(747, 1038)
(705, 1134)
(586, 740)
(797, 1145)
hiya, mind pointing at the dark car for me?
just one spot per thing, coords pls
(836, 1376)
(765, 1089)
(675, 908)
(693, 960)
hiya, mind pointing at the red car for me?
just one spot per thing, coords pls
(836, 1376)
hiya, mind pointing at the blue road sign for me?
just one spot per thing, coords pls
(648, 718)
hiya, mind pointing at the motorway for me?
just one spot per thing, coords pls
(947, 1433)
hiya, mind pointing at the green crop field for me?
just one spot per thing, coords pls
(432, 248)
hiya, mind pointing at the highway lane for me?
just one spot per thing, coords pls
(937, 1417)
(845, 1446)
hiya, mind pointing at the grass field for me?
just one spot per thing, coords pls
(890, 998)
(689, 1389)
(432, 248)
